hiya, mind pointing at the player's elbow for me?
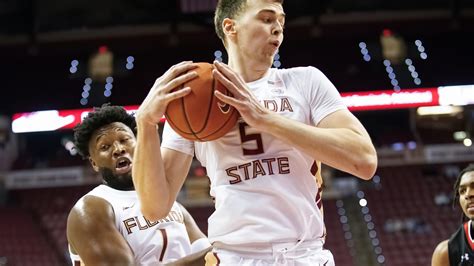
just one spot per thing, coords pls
(367, 165)
(155, 213)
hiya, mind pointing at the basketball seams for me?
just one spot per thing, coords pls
(173, 124)
(214, 100)
(229, 119)
(190, 111)
(203, 138)
(213, 88)
(186, 118)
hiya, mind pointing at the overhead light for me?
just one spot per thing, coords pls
(439, 110)
(459, 135)
(467, 142)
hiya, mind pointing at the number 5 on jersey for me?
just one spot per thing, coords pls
(244, 137)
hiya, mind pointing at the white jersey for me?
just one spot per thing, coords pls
(152, 243)
(265, 189)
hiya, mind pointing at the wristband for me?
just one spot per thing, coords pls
(200, 244)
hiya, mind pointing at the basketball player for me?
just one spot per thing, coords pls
(459, 249)
(106, 227)
(262, 172)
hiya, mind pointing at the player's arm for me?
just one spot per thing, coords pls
(200, 245)
(92, 234)
(339, 140)
(158, 176)
(440, 255)
(195, 259)
(158, 173)
(192, 228)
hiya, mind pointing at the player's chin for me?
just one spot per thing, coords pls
(124, 175)
(469, 213)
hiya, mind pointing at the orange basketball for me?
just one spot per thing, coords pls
(200, 116)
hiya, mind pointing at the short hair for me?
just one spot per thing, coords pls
(96, 119)
(229, 9)
(469, 168)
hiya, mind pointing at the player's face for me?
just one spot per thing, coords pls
(111, 153)
(466, 194)
(259, 30)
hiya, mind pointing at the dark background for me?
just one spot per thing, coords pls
(40, 39)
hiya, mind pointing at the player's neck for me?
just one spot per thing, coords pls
(119, 186)
(248, 69)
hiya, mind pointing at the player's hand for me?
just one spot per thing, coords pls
(152, 109)
(211, 259)
(243, 99)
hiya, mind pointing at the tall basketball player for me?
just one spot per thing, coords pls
(106, 226)
(459, 249)
(262, 171)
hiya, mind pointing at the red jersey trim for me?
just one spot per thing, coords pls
(467, 232)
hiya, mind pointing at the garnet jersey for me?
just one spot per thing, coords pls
(265, 190)
(461, 246)
(152, 243)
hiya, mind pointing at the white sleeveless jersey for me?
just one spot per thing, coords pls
(266, 190)
(152, 243)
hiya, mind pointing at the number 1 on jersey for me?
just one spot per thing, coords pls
(165, 243)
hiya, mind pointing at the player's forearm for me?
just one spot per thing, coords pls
(112, 259)
(341, 148)
(197, 259)
(149, 175)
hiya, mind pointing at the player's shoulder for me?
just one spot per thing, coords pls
(88, 211)
(442, 247)
(110, 194)
(300, 75)
(92, 202)
(441, 254)
(297, 71)
(87, 218)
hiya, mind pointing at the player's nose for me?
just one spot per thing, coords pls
(277, 29)
(119, 149)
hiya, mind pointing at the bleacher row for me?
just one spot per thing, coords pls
(33, 227)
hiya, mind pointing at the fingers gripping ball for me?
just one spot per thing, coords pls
(200, 116)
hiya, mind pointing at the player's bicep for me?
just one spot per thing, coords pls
(441, 255)
(343, 119)
(176, 164)
(92, 233)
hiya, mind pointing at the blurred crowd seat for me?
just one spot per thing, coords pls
(22, 241)
(408, 193)
(335, 240)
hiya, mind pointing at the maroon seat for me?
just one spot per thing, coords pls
(409, 192)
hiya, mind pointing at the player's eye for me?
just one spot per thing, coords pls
(282, 24)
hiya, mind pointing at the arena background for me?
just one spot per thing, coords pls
(61, 55)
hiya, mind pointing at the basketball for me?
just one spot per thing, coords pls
(200, 116)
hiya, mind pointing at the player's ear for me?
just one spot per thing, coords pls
(93, 164)
(228, 26)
